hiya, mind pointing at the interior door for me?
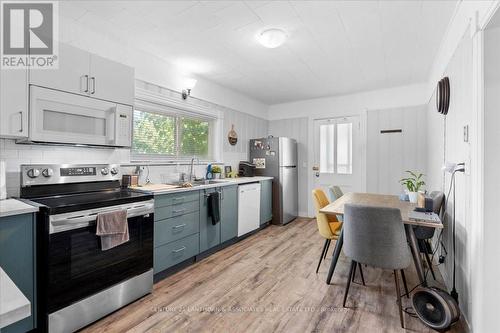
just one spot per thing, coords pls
(337, 154)
(72, 74)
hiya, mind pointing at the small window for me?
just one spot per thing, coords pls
(169, 136)
(335, 147)
(326, 138)
(344, 148)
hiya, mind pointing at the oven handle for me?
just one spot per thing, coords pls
(71, 221)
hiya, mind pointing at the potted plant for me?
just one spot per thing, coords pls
(413, 183)
(216, 171)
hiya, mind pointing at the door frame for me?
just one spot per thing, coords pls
(362, 116)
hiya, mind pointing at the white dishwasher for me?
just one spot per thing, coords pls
(248, 208)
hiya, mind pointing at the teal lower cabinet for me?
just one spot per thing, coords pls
(209, 232)
(171, 254)
(229, 213)
(17, 259)
(266, 201)
(176, 229)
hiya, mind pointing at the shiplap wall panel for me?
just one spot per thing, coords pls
(390, 154)
(296, 128)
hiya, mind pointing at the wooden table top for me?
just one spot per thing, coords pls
(379, 200)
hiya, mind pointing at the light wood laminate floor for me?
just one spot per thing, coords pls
(267, 283)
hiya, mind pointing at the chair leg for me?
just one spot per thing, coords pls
(327, 247)
(429, 262)
(353, 273)
(398, 294)
(322, 254)
(349, 277)
(361, 273)
(403, 277)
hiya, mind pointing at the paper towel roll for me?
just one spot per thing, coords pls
(3, 186)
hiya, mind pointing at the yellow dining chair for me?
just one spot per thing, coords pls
(329, 226)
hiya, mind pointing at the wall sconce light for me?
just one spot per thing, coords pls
(189, 84)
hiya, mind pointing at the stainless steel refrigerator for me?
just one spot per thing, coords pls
(277, 157)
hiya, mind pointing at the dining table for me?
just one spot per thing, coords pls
(336, 208)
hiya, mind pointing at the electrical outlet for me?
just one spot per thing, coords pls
(466, 133)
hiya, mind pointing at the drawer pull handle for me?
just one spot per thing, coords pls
(179, 211)
(179, 226)
(181, 199)
(179, 250)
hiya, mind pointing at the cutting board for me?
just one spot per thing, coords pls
(155, 187)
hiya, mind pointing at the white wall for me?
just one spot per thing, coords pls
(390, 154)
(491, 248)
(353, 104)
(296, 128)
(446, 143)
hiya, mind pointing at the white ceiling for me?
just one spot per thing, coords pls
(334, 47)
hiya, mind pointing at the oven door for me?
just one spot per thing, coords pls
(61, 117)
(78, 268)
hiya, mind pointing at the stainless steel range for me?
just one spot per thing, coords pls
(78, 282)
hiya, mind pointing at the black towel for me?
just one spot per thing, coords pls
(213, 207)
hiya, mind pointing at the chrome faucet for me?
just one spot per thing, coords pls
(190, 179)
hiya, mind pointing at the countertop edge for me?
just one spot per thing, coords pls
(22, 208)
(224, 182)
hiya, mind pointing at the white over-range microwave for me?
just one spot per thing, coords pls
(65, 118)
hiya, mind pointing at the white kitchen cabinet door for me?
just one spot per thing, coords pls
(111, 81)
(72, 74)
(14, 103)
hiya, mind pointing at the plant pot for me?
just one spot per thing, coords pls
(216, 175)
(413, 196)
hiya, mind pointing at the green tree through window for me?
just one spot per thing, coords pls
(170, 136)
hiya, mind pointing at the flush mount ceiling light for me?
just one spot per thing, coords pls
(272, 38)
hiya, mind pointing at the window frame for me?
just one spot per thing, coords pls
(163, 105)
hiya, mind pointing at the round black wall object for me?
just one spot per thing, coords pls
(443, 95)
(435, 307)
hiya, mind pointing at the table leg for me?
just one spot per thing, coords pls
(335, 257)
(415, 251)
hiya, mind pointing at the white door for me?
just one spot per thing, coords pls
(72, 74)
(337, 154)
(111, 81)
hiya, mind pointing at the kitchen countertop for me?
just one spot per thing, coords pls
(219, 183)
(10, 207)
(14, 306)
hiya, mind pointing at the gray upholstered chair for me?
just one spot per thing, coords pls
(335, 193)
(425, 234)
(375, 236)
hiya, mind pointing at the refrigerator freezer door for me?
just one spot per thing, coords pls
(289, 194)
(287, 152)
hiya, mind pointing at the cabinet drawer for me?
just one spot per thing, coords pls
(175, 228)
(176, 198)
(173, 253)
(162, 213)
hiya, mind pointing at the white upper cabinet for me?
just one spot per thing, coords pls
(72, 74)
(83, 73)
(111, 81)
(14, 103)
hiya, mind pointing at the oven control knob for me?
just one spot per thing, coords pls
(104, 171)
(33, 173)
(114, 171)
(47, 172)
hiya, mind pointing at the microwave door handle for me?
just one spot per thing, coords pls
(93, 85)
